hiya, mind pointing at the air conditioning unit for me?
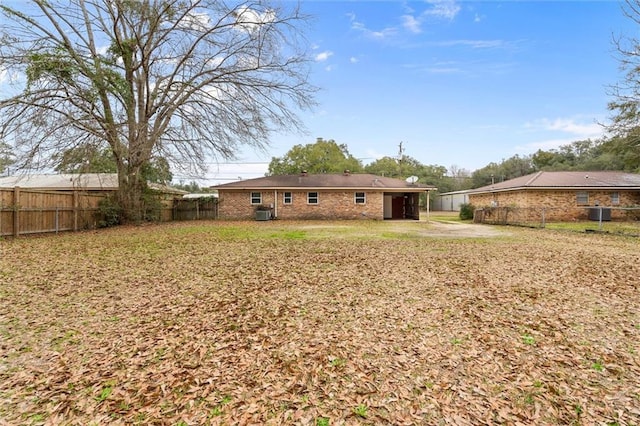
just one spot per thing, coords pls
(263, 214)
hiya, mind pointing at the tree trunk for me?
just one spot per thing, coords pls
(130, 195)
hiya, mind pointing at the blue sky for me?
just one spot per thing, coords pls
(459, 83)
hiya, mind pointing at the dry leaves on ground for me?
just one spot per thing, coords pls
(284, 323)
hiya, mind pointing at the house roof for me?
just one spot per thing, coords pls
(566, 180)
(69, 181)
(64, 181)
(327, 181)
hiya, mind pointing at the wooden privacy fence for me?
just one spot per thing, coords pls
(28, 211)
(31, 211)
(195, 209)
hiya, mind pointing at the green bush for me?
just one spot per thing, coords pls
(466, 211)
(109, 212)
(152, 206)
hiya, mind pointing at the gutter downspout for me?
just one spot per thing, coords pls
(275, 203)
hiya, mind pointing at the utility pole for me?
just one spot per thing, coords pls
(400, 158)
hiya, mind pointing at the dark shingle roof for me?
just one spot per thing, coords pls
(327, 181)
(564, 180)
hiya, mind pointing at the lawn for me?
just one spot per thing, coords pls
(629, 228)
(319, 323)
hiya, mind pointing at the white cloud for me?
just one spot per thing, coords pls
(410, 21)
(559, 132)
(353, 60)
(323, 56)
(102, 50)
(11, 77)
(441, 9)
(378, 35)
(474, 44)
(445, 9)
(250, 20)
(469, 68)
(411, 24)
(198, 21)
(568, 125)
(215, 62)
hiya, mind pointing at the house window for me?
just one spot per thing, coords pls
(287, 198)
(312, 198)
(360, 198)
(615, 198)
(256, 198)
(582, 198)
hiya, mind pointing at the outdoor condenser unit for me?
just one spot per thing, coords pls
(263, 214)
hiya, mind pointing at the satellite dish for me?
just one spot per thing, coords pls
(412, 179)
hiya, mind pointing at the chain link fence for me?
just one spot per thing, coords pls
(618, 220)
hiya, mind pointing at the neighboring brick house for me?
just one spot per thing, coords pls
(564, 195)
(321, 196)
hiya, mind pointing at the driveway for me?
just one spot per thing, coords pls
(463, 230)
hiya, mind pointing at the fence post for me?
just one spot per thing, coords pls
(16, 211)
(57, 218)
(543, 218)
(75, 209)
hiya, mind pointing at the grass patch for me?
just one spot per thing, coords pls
(625, 228)
(361, 411)
(322, 421)
(294, 234)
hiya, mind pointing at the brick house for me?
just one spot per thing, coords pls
(321, 196)
(564, 195)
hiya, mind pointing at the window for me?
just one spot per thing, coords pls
(615, 198)
(312, 198)
(287, 198)
(256, 198)
(582, 198)
(360, 198)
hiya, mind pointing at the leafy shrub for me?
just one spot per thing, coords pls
(109, 212)
(466, 211)
(152, 206)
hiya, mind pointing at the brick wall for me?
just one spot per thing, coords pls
(560, 205)
(331, 205)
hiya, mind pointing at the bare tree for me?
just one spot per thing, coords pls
(181, 79)
(625, 123)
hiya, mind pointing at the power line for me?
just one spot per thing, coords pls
(209, 178)
(238, 163)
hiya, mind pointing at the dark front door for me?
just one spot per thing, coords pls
(397, 207)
